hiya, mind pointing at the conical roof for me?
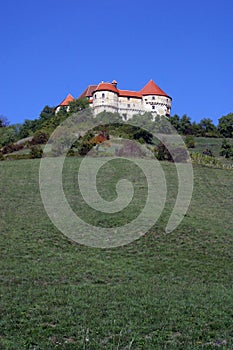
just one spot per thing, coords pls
(152, 89)
(69, 98)
(107, 87)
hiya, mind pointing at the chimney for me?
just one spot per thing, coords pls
(114, 83)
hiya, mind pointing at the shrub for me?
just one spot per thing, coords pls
(12, 148)
(226, 149)
(205, 160)
(84, 148)
(70, 153)
(189, 141)
(39, 138)
(208, 152)
(36, 152)
(1, 156)
(162, 153)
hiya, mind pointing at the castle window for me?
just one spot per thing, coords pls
(153, 98)
(128, 105)
(95, 95)
(128, 98)
(103, 95)
(153, 107)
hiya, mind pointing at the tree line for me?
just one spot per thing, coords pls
(49, 120)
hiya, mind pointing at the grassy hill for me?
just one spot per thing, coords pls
(171, 291)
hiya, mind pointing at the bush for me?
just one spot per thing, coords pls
(12, 148)
(226, 149)
(162, 153)
(39, 138)
(84, 148)
(189, 141)
(205, 160)
(208, 152)
(36, 152)
(1, 156)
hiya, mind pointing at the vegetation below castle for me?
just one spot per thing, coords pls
(34, 133)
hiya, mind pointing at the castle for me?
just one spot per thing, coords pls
(107, 97)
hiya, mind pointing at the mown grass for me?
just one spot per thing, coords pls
(162, 291)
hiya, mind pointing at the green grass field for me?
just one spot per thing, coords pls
(163, 291)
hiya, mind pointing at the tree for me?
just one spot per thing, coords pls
(197, 129)
(78, 105)
(175, 121)
(36, 152)
(3, 121)
(7, 136)
(226, 149)
(189, 141)
(207, 127)
(47, 113)
(28, 128)
(185, 125)
(225, 125)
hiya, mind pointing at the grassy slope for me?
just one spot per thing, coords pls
(203, 143)
(161, 292)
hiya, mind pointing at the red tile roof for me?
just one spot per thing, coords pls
(127, 93)
(149, 89)
(89, 91)
(152, 89)
(69, 98)
(107, 87)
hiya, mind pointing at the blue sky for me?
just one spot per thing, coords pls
(50, 48)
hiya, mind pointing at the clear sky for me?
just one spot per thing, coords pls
(53, 47)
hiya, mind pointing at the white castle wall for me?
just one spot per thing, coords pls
(128, 106)
(105, 101)
(160, 105)
(110, 101)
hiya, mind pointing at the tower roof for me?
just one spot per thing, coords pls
(152, 89)
(107, 87)
(69, 98)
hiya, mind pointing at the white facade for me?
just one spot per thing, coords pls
(107, 98)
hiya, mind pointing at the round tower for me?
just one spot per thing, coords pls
(105, 98)
(155, 100)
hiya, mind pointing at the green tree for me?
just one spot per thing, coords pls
(78, 105)
(47, 113)
(226, 149)
(3, 121)
(185, 125)
(7, 135)
(36, 152)
(175, 121)
(208, 128)
(225, 125)
(197, 129)
(189, 141)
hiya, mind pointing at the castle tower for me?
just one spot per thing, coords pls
(105, 98)
(155, 100)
